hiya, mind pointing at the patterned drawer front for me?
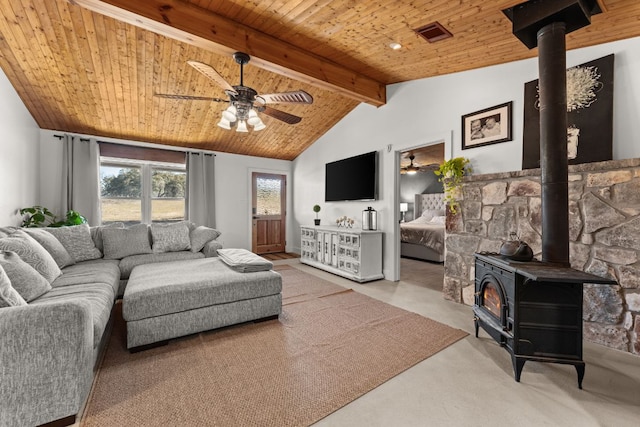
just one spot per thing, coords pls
(308, 244)
(349, 265)
(349, 252)
(308, 233)
(350, 239)
(308, 254)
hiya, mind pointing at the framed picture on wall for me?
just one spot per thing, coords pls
(489, 126)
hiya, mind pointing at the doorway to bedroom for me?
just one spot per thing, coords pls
(421, 205)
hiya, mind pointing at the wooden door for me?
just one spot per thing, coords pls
(268, 209)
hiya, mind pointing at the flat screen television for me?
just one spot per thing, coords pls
(354, 178)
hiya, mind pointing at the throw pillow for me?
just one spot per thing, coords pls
(439, 219)
(9, 297)
(122, 242)
(24, 278)
(430, 213)
(200, 236)
(96, 233)
(31, 252)
(170, 237)
(76, 239)
(52, 245)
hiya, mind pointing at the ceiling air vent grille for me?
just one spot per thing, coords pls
(433, 32)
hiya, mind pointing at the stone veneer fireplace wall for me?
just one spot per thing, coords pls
(604, 233)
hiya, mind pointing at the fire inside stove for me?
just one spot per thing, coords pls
(491, 299)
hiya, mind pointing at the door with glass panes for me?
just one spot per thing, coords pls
(268, 210)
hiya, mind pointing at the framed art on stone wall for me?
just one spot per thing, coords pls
(589, 115)
(488, 126)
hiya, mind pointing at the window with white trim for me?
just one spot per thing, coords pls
(134, 191)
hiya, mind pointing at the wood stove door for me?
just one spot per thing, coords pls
(491, 306)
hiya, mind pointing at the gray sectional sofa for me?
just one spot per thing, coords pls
(55, 316)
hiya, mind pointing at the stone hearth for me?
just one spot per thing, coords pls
(604, 232)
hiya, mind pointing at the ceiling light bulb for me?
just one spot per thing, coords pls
(395, 46)
(242, 126)
(224, 124)
(230, 113)
(411, 172)
(253, 118)
(259, 126)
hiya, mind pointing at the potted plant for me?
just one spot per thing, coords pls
(35, 216)
(451, 173)
(316, 209)
(39, 216)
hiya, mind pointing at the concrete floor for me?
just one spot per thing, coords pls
(470, 383)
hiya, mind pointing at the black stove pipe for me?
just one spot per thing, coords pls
(553, 143)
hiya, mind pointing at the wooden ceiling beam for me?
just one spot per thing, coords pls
(205, 29)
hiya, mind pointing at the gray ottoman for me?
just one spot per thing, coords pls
(172, 299)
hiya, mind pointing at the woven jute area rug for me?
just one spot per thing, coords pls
(329, 346)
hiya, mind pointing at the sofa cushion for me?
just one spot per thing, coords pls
(77, 240)
(25, 279)
(9, 297)
(52, 245)
(170, 237)
(5, 231)
(200, 236)
(127, 264)
(96, 233)
(173, 287)
(94, 271)
(123, 242)
(98, 296)
(31, 252)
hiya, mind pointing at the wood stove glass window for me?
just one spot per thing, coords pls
(491, 299)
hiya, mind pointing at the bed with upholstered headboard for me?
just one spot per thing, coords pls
(423, 238)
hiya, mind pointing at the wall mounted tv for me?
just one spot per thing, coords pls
(354, 178)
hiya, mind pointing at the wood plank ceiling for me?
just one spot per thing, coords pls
(86, 72)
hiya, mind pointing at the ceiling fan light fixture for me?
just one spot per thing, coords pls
(259, 125)
(253, 118)
(230, 113)
(224, 124)
(242, 126)
(411, 169)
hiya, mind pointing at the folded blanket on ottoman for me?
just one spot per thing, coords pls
(244, 261)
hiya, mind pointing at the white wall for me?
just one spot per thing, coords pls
(429, 110)
(19, 173)
(233, 186)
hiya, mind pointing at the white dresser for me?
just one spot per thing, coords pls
(351, 253)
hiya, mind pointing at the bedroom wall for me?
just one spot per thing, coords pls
(420, 183)
(429, 110)
(233, 186)
(19, 179)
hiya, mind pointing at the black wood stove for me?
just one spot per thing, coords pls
(533, 309)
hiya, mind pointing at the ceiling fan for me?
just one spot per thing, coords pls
(245, 103)
(412, 168)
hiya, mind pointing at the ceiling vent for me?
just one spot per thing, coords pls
(433, 32)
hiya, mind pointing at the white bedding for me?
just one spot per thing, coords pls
(422, 232)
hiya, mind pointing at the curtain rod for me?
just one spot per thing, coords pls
(106, 142)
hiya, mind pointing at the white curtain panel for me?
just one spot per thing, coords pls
(200, 189)
(81, 178)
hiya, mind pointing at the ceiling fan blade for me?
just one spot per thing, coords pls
(281, 115)
(294, 97)
(189, 97)
(210, 72)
